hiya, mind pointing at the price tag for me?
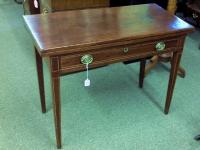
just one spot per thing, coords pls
(87, 83)
(87, 80)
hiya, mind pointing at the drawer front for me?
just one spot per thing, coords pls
(72, 63)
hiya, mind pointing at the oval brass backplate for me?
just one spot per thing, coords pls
(87, 59)
(125, 50)
(160, 46)
(45, 11)
(195, 16)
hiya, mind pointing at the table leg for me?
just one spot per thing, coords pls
(39, 65)
(173, 74)
(55, 80)
(142, 72)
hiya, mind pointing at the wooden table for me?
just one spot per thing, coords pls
(108, 35)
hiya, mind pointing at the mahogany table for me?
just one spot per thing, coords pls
(100, 37)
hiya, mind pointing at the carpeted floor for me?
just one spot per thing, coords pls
(112, 114)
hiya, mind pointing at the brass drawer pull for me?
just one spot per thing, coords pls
(45, 11)
(87, 59)
(125, 50)
(195, 16)
(160, 46)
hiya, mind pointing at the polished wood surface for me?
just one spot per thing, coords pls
(109, 35)
(60, 5)
(114, 53)
(167, 57)
(101, 26)
(79, 4)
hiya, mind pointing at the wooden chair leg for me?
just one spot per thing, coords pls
(39, 65)
(154, 61)
(151, 64)
(142, 72)
(181, 72)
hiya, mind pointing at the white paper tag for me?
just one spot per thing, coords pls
(36, 3)
(87, 82)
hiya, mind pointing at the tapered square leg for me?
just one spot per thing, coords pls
(173, 74)
(40, 75)
(55, 80)
(142, 72)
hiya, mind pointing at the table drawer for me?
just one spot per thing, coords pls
(116, 54)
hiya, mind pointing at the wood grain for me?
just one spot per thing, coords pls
(71, 30)
(64, 37)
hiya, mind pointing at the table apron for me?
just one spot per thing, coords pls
(70, 63)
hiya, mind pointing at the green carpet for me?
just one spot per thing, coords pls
(112, 114)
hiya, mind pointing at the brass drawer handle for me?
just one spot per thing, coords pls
(45, 11)
(195, 16)
(87, 59)
(160, 46)
(125, 50)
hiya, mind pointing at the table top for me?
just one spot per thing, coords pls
(82, 28)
